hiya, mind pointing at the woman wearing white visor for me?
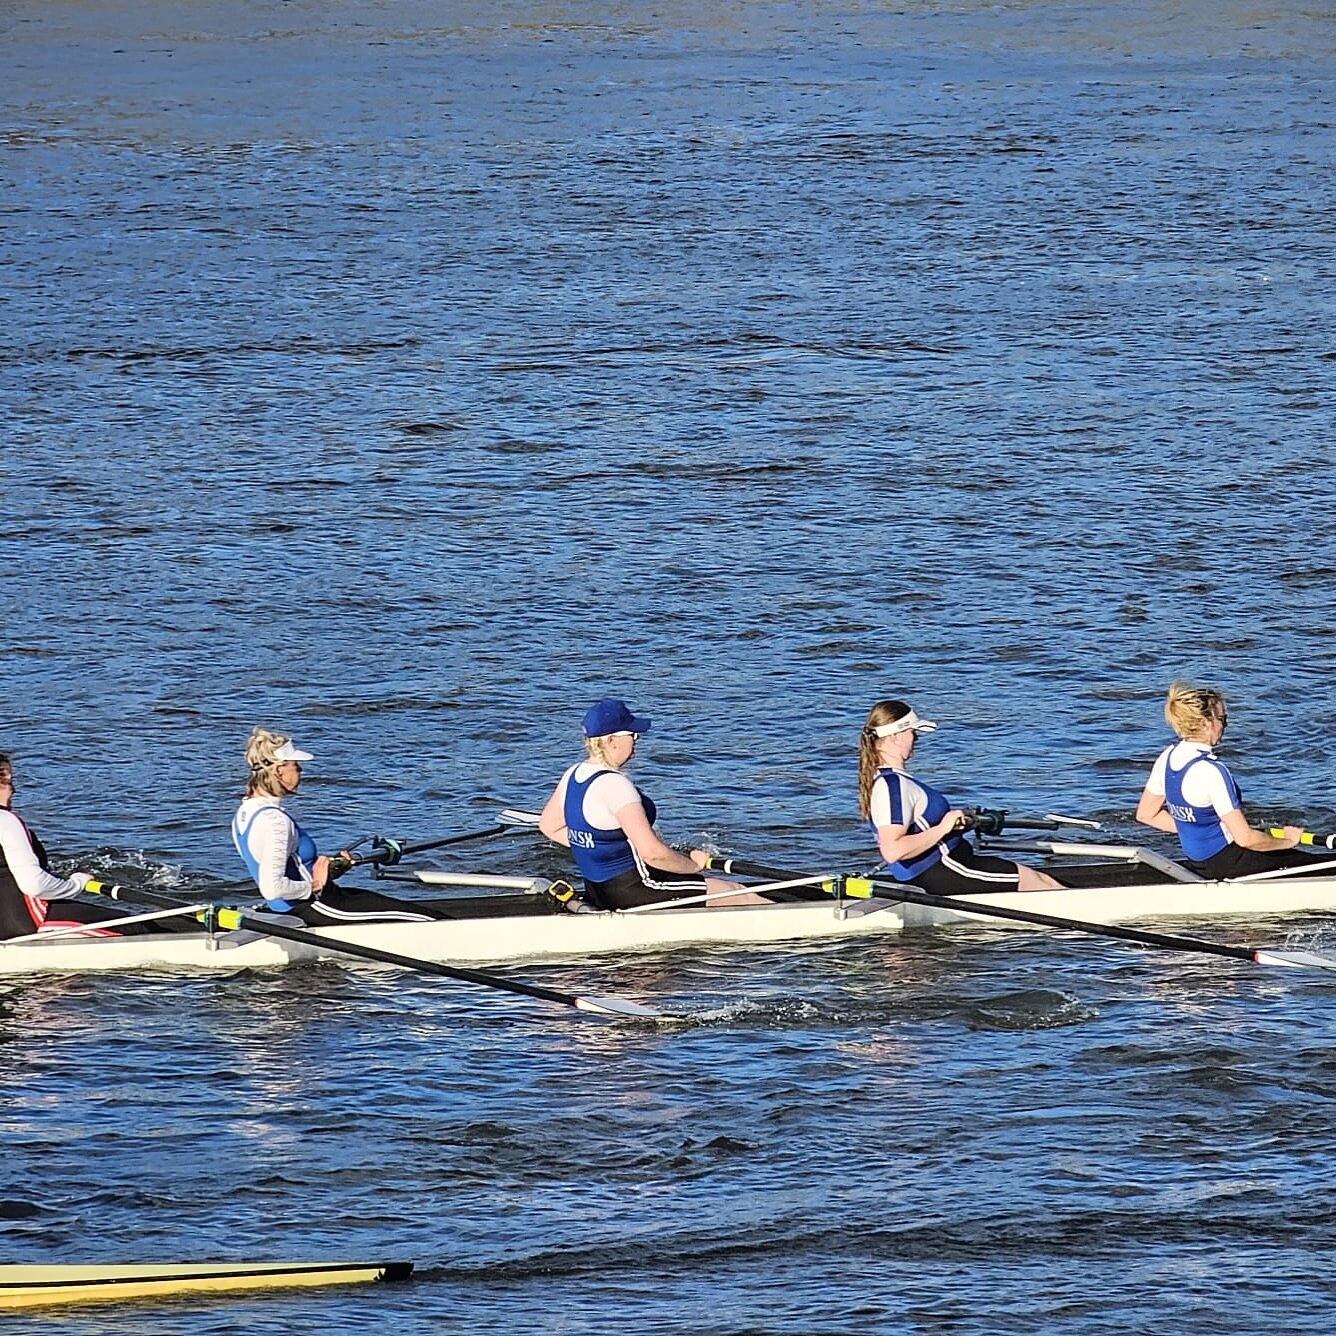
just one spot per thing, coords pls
(918, 831)
(292, 875)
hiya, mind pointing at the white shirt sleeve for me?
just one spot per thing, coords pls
(1155, 784)
(879, 803)
(608, 794)
(913, 802)
(29, 875)
(1204, 786)
(272, 838)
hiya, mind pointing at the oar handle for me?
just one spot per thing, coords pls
(1325, 841)
(742, 867)
(993, 821)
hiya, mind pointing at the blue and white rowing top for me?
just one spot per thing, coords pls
(1201, 831)
(599, 853)
(301, 851)
(899, 799)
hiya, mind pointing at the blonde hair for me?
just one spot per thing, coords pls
(883, 712)
(594, 750)
(1188, 709)
(260, 749)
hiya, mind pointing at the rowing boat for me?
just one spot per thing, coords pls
(34, 1286)
(490, 928)
(518, 922)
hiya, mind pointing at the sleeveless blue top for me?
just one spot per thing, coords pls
(936, 808)
(298, 864)
(599, 854)
(1200, 830)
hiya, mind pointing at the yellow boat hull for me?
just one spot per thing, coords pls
(33, 1286)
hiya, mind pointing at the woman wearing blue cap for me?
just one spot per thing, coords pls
(918, 831)
(608, 825)
(282, 858)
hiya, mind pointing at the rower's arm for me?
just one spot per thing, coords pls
(552, 819)
(1236, 824)
(29, 875)
(652, 850)
(898, 844)
(273, 840)
(1152, 812)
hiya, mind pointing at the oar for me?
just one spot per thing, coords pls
(1325, 841)
(389, 852)
(992, 821)
(895, 890)
(235, 918)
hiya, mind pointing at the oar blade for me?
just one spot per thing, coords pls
(1307, 960)
(619, 1006)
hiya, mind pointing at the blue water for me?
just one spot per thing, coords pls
(408, 376)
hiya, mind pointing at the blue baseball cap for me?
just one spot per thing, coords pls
(612, 716)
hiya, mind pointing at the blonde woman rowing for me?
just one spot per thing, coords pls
(1191, 794)
(918, 832)
(292, 875)
(608, 825)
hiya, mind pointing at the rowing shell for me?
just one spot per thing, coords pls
(506, 927)
(498, 928)
(33, 1286)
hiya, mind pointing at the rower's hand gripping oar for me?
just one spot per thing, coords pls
(1322, 841)
(894, 890)
(234, 918)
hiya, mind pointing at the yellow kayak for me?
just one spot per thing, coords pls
(30, 1286)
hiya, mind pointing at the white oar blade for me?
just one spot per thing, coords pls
(618, 1006)
(1307, 960)
(1072, 821)
(519, 818)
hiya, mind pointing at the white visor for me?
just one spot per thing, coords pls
(287, 752)
(910, 721)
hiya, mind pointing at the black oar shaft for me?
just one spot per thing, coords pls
(230, 918)
(912, 895)
(392, 851)
(454, 839)
(894, 890)
(259, 924)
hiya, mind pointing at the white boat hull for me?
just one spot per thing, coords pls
(1198, 901)
(461, 941)
(577, 936)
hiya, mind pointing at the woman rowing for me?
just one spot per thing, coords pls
(292, 875)
(608, 825)
(918, 831)
(32, 898)
(1190, 793)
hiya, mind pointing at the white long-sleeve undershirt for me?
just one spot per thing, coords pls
(272, 839)
(29, 875)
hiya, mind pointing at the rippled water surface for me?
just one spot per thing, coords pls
(407, 376)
